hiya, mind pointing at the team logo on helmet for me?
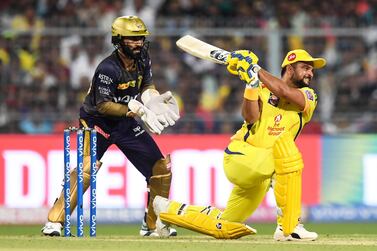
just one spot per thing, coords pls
(291, 57)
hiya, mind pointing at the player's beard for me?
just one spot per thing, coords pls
(300, 83)
(131, 51)
(137, 50)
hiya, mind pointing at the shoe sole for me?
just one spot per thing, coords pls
(293, 239)
(52, 234)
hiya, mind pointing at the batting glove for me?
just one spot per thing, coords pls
(248, 73)
(147, 116)
(240, 55)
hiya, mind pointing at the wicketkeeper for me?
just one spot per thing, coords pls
(110, 107)
(275, 111)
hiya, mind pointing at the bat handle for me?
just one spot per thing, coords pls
(220, 56)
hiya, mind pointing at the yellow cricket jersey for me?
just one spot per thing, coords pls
(277, 115)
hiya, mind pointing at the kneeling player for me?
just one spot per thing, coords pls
(274, 113)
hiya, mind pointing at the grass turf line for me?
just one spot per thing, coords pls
(342, 237)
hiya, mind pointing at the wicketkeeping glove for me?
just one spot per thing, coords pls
(241, 55)
(165, 107)
(147, 116)
(248, 73)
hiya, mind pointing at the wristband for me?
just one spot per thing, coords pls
(251, 93)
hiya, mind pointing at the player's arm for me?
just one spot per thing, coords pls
(112, 109)
(103, 88)
(250, 110)
(241, 63)
(249, 75)
(274, 84)
(282, 90)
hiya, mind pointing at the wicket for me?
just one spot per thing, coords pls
(80, 181)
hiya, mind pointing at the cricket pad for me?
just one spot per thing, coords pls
(56, 213)
(205, 224)
(159, 184)
(288, 169)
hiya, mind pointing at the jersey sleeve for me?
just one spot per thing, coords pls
(310, 103)
(104, 83)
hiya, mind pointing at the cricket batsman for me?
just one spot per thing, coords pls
(275, 110)
(110, 107)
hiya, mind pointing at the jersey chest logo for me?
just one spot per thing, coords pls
(124, 86)
(273, 100)
(278, 118)
(131, 83)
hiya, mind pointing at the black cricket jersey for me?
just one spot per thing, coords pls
(112, 82)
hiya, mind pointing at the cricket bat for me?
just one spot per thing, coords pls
(203, 50)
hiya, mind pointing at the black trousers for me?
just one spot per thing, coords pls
(129, 136)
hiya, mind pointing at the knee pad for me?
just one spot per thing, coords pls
(56, 213)
(287, 189)
(159, 184)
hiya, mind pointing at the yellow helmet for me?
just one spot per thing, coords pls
(128, 26)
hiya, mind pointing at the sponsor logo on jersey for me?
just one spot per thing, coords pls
(138, 130)
(309, 95)
(278, 118)
(273, 100)
(291, 57)
(275, 130)
(104, 90)
(125, 99)
(100, 131)
(124, 86)
(105, 79)
(140, 79)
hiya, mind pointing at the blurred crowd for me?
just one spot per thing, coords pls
(49, 50)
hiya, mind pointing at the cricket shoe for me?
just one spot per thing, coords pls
(160, 205)
(299, 234)
(146, 232)
(52, 229)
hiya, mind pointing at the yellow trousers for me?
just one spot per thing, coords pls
(249, 169)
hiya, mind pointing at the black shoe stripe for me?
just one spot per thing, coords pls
(295, 236)
(180, 210)
(173, 234)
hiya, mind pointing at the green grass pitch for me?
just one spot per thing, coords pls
(333, 236)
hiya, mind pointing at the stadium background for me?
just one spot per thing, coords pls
(48, 53)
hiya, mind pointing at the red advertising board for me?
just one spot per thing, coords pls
(30, 169)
